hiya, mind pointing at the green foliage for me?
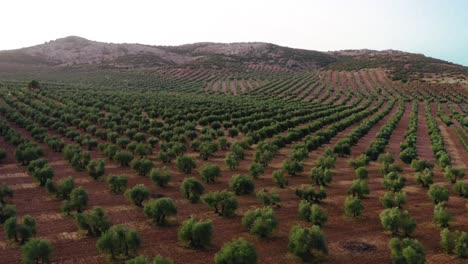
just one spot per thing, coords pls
(307, 243)
(359, 188)
(261, 222)
(407, 251)
(237, 251)
(461, 189)
(138, 194)
(360, 161)
(362, 173)
(393, 199)
(256, 169)
(192, 189)
(312, 213)
(232, 160)
(142, 166)
(279, 179)
(78, 201)
(123, 157)
(397, 221)
(96, 169)
(353, 206)
(43, 174)
(119, 241)
(63, 189)
(6, 211)
(321, 175)
(293, 167)
(455, 243)
(36, 251)
(420, 165)
(207, 149)
(241, 184)
(223, 202)
(80, 160)
(94, 221)
(185, 164)
(20, 232)
(144, 260)
(425, 177)
(394, 182)
(438, 194)
(268, 198)
(160, 177)
(117, 183)
(310, 194)
(453, 174)
(209, 172)
(196, 233)
(160, 209)
(442, 217)
(5, 191)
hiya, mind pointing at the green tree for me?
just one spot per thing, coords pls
(312, 213)
(20, 232)
(397, 220)
(321, 175)
(160, 177)
(453, 174)
(393, 199)
(232, 161)
(5, 191)
(307, 243)
(160, 209)
(310, 194)
(237, 251)
(293, 167)
(279, 179)
(438, 194)
(142, 166)
(207, 149)
(268, 198)
(261, 222)
(94, 221)
(63, 189)
(256, 169)
(36, 251)
(96, 169)
(454, 242)
(192, 189)
(223, 202)
(43, 174)
(196, 233)
(119, 241)
(209, 172)
(425, 177)
(117, 183)
(138, 194)
(241, 184)
(353, 206)
(144, 260)
(6, 211)
(359, 188)
(420, 165)
(123, 157)
(78, 201)
(80, 160)
(185, 164)
(394, 182)
(362, 173)
(442, 217)
(407, 251)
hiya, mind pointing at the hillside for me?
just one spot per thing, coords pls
(80, 51)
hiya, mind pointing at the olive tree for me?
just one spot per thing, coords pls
(241, 184)
(353, 206)
(397, 221)
(307, 243)
(117, 183)
(454, 242)
(223, 202)
(209, 172)
(261, 222)
(237, 251)
(393, 199)
(185, 164)
(268, 198)
(160, 209)
(160, 177)
(359, 188)
(256, 169)
(407, 251)
(425, 177)
(279, 179)
(78, 201)
(232, 160)
(438, 194)
(5, 191)
(123, 157)
(96, 169)
(138, 194)
(312, 213)
(36, 251)
(119, 241)
(6, 211)
(196, 233)
(20, 232)
(142, 166)
(442, 217)
(192, 189)
(94, 221)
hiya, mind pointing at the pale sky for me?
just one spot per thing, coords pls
(437, 28)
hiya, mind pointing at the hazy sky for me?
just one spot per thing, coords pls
(435, 28)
